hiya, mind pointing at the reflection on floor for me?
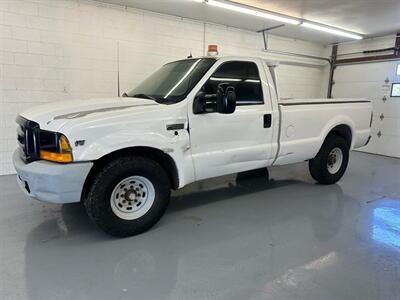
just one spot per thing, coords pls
(387, 223)
(225, 238)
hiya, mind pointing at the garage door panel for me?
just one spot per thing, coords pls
(384, 145)
(390, 126)
(367, 81)
(389, 108)
(365, 72)
(368, 90)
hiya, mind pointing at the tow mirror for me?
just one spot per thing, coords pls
(199, 103)
(223, 102)
(226, 99)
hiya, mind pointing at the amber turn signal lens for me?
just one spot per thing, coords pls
(56, 157)
(65, 154)
(64, 144)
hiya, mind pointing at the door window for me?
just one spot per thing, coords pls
(243, 76)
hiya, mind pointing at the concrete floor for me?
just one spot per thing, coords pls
(285, 239)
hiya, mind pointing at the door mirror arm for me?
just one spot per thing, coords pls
(223, 102)
(199, 103)
(226, 99)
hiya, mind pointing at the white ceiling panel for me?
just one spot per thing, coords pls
(368, 17)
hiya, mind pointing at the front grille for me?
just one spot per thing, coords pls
(28, 139)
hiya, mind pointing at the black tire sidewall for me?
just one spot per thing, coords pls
(98, 203)
(319, 165)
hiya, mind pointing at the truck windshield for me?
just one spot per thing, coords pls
(174, 81)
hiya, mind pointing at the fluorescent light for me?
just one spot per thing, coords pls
(332, 30)
(280, 18)
(252, 80)
(224, 79)
(253, 12)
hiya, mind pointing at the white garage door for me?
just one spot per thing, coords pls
(373, 81)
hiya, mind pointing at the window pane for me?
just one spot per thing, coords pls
(173, 81)
(243, 76)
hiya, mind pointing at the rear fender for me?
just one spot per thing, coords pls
(334, 122)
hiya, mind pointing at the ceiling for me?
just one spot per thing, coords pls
(368, 17)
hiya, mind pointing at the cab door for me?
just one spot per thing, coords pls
(229, 143)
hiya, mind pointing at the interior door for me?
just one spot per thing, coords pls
(229, 143)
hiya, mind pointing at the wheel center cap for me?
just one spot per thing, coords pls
(130, 195)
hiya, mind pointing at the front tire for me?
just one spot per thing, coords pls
(128, 196)
(331, 161)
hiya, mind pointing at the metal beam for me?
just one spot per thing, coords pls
(366, 59)
(271, 28)
(372, 58)
(297, 54)
(332, 70)
(265, 33)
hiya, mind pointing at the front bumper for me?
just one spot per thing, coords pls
(51, 182)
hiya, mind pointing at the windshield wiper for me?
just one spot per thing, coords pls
(145, 96)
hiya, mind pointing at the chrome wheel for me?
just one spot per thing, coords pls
(132, 197)
(335, 160)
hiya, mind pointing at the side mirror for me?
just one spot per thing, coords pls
(199, 103)
(226, 99)
(223, 102)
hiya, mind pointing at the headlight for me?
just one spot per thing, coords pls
(54, 146)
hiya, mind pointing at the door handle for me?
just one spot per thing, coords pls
(267, 120)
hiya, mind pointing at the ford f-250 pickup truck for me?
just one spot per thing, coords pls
(193, 119)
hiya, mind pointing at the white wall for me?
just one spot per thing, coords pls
(57, 50)
(367, 80)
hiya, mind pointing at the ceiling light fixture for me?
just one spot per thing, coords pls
(278, 17)
(331, 30)
(252, 11)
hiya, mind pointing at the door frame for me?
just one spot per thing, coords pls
(268, 106)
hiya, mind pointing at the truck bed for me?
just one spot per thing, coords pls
(304, 123)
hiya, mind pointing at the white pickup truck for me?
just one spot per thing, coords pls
(193, 119)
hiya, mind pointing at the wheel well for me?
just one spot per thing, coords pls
(157, 155)
(343, 131)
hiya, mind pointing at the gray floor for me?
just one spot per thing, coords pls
(285, 239)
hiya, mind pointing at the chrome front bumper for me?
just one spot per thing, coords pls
(51, 182)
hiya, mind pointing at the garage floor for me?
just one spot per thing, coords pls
(285, 239)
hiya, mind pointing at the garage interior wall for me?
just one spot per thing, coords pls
(61, 50)
(373, 80)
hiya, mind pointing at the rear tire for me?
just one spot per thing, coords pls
(331, 161)
(128, 196)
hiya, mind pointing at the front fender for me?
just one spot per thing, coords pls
(177, 146)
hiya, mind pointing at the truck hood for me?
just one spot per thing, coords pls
(53, 116)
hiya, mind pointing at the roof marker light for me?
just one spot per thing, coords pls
(212, 50)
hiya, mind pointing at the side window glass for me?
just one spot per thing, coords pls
(243, 76)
